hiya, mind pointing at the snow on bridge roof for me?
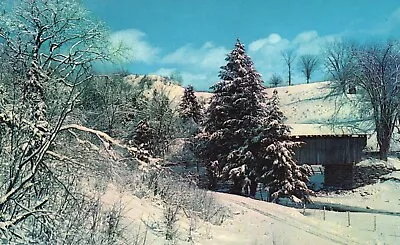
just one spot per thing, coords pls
(324, 130)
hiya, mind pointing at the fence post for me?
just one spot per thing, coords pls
(375, 222)
(348, 219)
(324, 214)
(304, 208)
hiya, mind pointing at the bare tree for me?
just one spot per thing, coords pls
(308, 64)
(111, 104)
(275, 80)
(377, 73)
(163, 120)
(47, 53)
(340, 64)
(289, 57)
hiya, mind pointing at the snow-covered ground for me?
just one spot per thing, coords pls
(384, 195)
(265, 222)
(258, 222)
(392, 163)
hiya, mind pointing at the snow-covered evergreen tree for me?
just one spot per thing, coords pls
(245, 139)
(283, 176)
(189, 108)
(233, 118)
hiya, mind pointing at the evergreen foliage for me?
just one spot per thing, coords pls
(233, 118)
(284, 178)
(190, 108)
(245, 139)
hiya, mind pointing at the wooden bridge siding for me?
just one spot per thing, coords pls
(325, 150)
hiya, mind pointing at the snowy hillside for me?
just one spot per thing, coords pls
(302, 104)
(308, 103)
(159, 83)
(314, 104)
(307, 106)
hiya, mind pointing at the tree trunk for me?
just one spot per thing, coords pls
(383, 153)
(236, 188)
(253, 188)
(212, 180)
(343, 86)
(383, 137)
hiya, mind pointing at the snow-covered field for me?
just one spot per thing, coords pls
(258, 222)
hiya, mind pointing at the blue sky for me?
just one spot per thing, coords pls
(193, 37)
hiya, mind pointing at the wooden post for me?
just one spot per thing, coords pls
(348, 219)
(324, 214)
(304, 208)
(260, 188)
(375, 222)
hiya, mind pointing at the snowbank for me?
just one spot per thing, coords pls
(383, 196)
(391, 163)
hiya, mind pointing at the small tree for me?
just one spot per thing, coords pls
(275, 80)
(286, 178)
(111, 104)
(189, 108)
(289, 57)
(162, 118)
(308, 64)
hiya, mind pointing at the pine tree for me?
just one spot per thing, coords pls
(190, 108)
(233, 118)
(283, 176)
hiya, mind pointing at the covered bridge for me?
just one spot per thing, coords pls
(336, 149)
